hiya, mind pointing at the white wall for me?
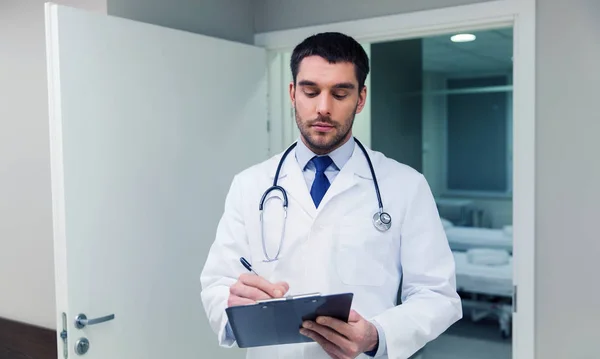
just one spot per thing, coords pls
(568, 179)
(26, 250)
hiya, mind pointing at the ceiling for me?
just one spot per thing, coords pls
(490, 52)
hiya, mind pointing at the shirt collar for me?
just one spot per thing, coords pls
(340, 155)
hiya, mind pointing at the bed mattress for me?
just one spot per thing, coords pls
(464, 238)
(483, 279)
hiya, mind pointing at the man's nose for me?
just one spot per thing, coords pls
(324, 105)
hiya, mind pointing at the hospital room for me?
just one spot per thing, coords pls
(129, 228)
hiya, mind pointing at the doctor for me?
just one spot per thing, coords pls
(356, 221)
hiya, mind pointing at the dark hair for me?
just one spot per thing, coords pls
(333, 47)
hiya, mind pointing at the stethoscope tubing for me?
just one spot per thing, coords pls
(276, 187)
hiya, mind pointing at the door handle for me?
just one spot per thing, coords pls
(81, 320)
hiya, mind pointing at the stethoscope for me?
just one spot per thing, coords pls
(381, 220)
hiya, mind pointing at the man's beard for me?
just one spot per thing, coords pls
(329, 145)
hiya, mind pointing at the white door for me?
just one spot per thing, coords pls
(148, 126)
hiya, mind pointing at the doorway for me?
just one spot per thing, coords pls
(443, 105)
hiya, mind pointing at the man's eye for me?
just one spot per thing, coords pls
(340, 96)
(310, 94)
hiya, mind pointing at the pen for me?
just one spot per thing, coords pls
(248, 266)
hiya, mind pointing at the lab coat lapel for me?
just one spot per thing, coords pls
(347, 177)
(292, 180)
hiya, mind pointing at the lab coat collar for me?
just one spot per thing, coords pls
(339, 156)
(357, 162)
(292, 179)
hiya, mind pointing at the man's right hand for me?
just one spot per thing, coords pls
(249, 288)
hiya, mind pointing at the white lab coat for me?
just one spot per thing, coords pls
(336, 248)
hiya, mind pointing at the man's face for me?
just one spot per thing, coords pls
(326, 99)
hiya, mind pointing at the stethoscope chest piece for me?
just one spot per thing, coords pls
(382, 221)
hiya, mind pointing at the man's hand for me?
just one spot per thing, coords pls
(249, 288)
(342, 340)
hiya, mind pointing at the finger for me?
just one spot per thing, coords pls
(331, 349)
(337, 325)
(283, 285)
(255, 281)
(329, 334)
(354, 316)
(235, 301)
(241, 290)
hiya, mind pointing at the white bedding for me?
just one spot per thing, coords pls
(464, 238)
(483, 279)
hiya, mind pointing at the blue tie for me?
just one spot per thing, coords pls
(321, 183)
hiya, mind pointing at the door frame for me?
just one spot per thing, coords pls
(520, 14)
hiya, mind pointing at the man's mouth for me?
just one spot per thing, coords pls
(322, 127)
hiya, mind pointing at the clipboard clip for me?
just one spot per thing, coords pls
(289, 297)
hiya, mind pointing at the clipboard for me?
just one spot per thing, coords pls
(278, 321)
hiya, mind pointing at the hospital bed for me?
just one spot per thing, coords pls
(464, 238)
(484, 268)
(486, 285)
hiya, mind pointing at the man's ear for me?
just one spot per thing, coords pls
(292, 93)
(362, 99)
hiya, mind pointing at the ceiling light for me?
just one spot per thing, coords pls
(463, 38)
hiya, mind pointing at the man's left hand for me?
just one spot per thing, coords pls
(342, 340)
